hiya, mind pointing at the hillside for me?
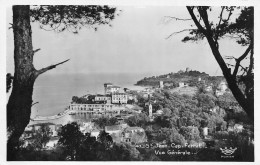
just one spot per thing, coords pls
(193, 78)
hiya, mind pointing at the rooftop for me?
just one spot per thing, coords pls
(113, 128)
(41, 124)
(100, 95)
(133, 128)
(108, 84)
(119, 94)
(113, 87)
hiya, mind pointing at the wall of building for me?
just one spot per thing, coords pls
(91, 107)
(119, 98)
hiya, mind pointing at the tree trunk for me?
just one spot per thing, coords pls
(246, 103)
(20, 101)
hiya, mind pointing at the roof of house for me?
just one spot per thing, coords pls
(100, 95)
(119, 94)
(95, 130)
(113, 87)
(40, 124)
(113, 128)
(133, 128)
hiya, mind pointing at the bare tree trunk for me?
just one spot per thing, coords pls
(20, 101)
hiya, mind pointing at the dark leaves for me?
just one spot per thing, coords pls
(71, 18)
(241, 30)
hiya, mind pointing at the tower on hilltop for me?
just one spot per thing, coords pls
(106, 85)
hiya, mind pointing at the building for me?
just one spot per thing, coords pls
(95, 133)
(161, 84)
(106, 85)
(188, 69)
(119, 98)
(134, 129)
(205, 131)
(110, 88)
(91, 107)
(219, 93)
(105, 98)
(150, 110)
(113, 129)
(183, 84)
(159, 112)
(236, 128)
(208, 88)
(222, 86)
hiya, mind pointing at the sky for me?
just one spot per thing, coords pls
(136, 43)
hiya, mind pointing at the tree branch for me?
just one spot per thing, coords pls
(241, 58)
(38, 72)
(204, 15)
(35, 103)
(178, 19)
(220, 19)
(35, 51)
(190, 10)
(179, 32)
(251, 62)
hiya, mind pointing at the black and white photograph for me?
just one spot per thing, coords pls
(129, 82)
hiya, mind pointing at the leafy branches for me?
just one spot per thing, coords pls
(243, 28)
(72, 18)
(240, 29)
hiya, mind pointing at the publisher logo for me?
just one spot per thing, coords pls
(228, 152)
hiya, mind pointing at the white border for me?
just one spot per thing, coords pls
(3, 26)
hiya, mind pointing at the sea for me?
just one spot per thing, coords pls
(54, 92)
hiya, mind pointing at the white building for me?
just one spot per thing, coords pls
(110, 88)
(90, 107)
(208, 88)
(219, 93)
(205, 131)
(182, 84)
(106, 98)
(114, 129)
(222, 86)
(150, 110)
(134, 129)
(161, 84)
(119, 98)
(95, 133)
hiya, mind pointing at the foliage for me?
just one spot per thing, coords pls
(242, 31)
(140, 120)
(9, 80)
(71, 139)
(105, 121)
(41, 137)
(88, 148)
(170, 136)
(71, 18)
(105, 139)
(206, 101)
(124, 152)
(190, 133)
(57, 18)
(190, 77)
